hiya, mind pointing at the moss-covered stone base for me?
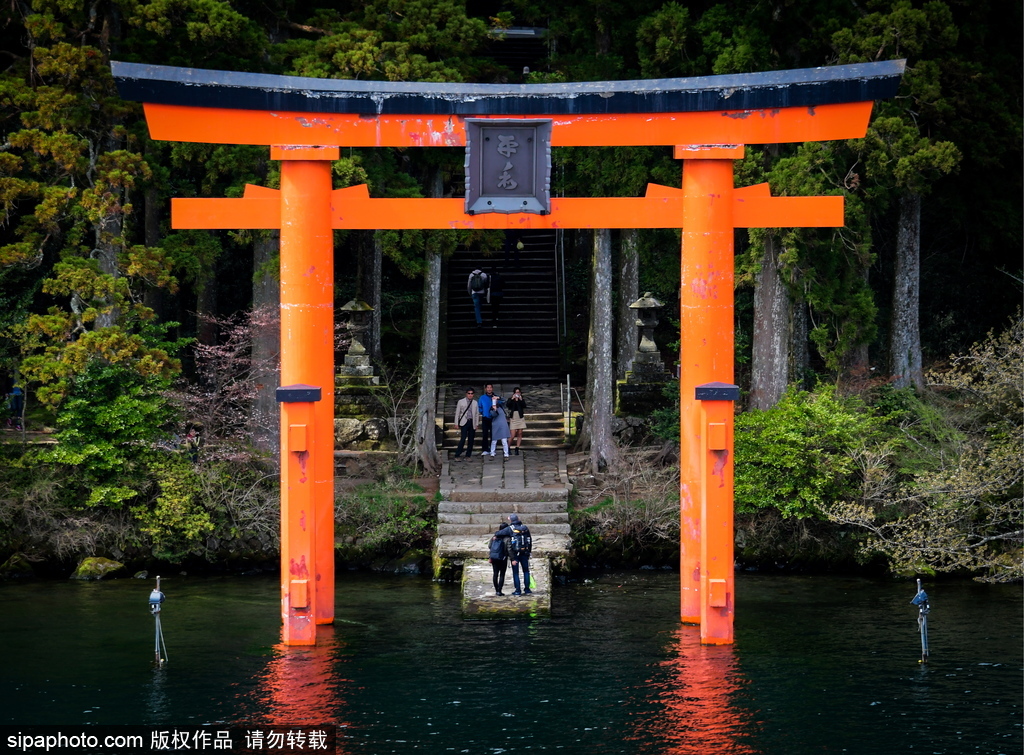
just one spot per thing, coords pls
(96, 567)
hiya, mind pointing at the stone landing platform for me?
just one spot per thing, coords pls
(477, 494)
(480, 602)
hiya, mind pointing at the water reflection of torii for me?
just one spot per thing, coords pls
(707, 121)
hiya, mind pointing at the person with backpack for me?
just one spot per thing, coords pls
(520, 545)
(477, 285)
(498, 555)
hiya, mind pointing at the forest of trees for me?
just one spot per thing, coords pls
(124, 332)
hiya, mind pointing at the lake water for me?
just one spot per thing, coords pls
(820, 665)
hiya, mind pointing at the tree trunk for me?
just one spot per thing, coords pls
(905, 343)
(769, 373)
(371, 295)
(600, 375)
(629, 292)
(108, 239)
(855, 363)
(266, 343)
(426, 404)
(206, 307)
(800, 355)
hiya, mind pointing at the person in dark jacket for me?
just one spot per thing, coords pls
(520, 558)
(498, 555)
(477, 285)
(517, 417)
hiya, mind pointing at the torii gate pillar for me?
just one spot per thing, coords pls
(706, 322)
(307, 357)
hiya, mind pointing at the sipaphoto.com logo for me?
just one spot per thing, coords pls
(61, 741)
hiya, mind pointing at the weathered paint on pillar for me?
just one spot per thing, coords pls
(298, 524)
(307, 330)
(717, 589)
(706, 326)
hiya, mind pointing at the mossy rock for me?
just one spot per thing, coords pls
(16, 567)
(96, 567)
(445, 568)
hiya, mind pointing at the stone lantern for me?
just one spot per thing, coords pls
(647, 359)
(354, 400)
(357, 360)
(641, 392)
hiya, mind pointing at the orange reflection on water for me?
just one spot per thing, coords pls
(695, 688)
(301, 686)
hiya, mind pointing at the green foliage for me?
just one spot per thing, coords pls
(175, 522)
(106, 430)
(961, 508)
(665, 420)
(384, 519)
(403, 40)
(800, 455)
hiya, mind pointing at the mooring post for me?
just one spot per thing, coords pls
(706, 321)
(717, 579)
(299, 586)
(307, 333)
(924, 608)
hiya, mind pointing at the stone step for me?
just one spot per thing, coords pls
(458, 547)
(526, 509)
(530, 440)
(481, 530)
(522, 495)
(493, 519)
(532, 423)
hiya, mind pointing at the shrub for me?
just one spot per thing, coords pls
(384, 519)
(804, 453)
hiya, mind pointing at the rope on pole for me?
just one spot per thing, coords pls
(921, 601)
(156, 598)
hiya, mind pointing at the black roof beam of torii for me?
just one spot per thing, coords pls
(807, 87)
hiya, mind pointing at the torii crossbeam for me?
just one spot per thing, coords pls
(707, 120)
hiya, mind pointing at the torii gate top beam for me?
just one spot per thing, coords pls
(807, 87)
(756, 108)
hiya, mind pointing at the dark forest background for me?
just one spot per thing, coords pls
(124, 332)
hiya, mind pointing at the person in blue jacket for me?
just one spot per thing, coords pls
(485, 402)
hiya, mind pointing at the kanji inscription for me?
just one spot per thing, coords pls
(508, 166)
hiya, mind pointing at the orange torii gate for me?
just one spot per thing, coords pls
(707, 120)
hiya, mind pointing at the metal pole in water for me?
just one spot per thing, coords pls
(921, 601)
(155, 599)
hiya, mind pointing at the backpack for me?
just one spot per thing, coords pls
(476, 283)
(497, 549)
(521, 541)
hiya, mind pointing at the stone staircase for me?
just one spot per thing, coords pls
(522, 345)
(478, 494)
(545, 422)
